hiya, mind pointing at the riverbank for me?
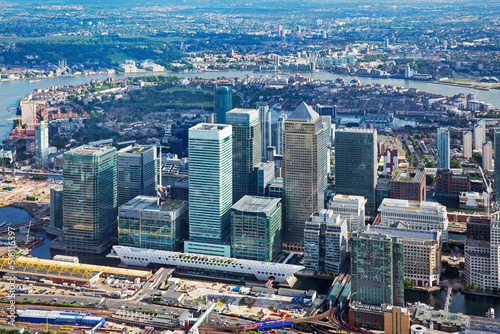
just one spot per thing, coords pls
(447, 83)
(481, 293)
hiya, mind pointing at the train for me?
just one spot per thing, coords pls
(356, 329)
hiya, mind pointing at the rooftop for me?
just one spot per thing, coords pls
(209, 127)
(135, 149)
(442, 317)
(142, 202)
(412, 205)
(407, 175)
(256, 204)
(304, 112)
(404, 233)
(89, 150)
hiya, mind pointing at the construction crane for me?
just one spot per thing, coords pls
(19, 119)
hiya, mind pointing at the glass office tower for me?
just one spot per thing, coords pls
(223, 103)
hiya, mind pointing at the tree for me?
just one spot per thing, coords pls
(455, 164)
(407, 282)
(413, 283)
(474, 286)
(430, 164)
(429, 179)
(467, 286)
(38, 166)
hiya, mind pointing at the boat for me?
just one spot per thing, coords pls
(3, 224)
(35, 80)
(419, 305)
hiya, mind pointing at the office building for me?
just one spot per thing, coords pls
(487, 156)
(356, 164)
(377, 269)
(56, 207)
(422, 216)
(256, 224)
(280, 129)
(42, 142)
(397, 320)
(478, 228)
(352, 208)
(210, 189)
(482, 266)
(451, 184)
(421, 252)
(497, 164)
(246, 150)
(137, 172)
(264, 173)
(443, 146)
(90, 198)
(408, 184)
(144, 222)
(325, 242)
(323, 110)
(479, 135)
(304, 171)
(265, 128)
(467, 144)
(223, 103)
(382, 191)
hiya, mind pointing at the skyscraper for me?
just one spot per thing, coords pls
(377, 269)
(479, 134)
(137, 172)
(356, 164)
(497, 164)
(265, 127)
(210, 189)
(487, 156)
(280, 129)
(42, 142)
(443, 146)
(223, 103)
(90, 198)
(246, 150)
(304, 171)
(467, 144)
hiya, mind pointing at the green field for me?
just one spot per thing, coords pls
(9, 39)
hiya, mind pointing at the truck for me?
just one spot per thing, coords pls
(88, 294)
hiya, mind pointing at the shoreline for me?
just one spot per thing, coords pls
(446, 83)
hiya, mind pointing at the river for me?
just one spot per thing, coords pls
(12, 91)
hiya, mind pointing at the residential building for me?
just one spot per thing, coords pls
(280, 129)
(396, 320)
(443, 146)
(90, 198)
(352, 208)
(487, 156)
(137, 172)
(28, 113)
(256, 224)
(42, 142)
(497, 164)
(265, 128)
(422, 216)
(421, 252)
(223, 103)
(325, 241)
(479, 135)
(210, 189)
(356, 164)
(145, 222)
(451, 184)
(377, 269)
(56, 207)
(246, 150)
(408, 184)
(304, 171)
(467, 144)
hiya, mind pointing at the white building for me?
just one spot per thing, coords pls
(481, 258)
(352, 208)
(467, 144)
(28, 113)
(42, 142)
(421, 252)
(325, 241)
(479, 135)
(129, 66)
(422, 216)
(487, 156)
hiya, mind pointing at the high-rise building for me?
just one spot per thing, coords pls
(325, 241)
(443, 146)
(42, 142)
(377, 269)
(223, 103)
(137, 172)
(482, 266)
(423, 216)
(421, 252)
(246, 150)
(356, 164)
(256, 224)
(479, 135)
(408, 184)
(304, 171)
(352, 208)
(323, 110)
(280, 129)
(265, 128)
(497, 164)
(467, 144)
(56, 207)
(487, 156)
(28, 113)
(143, 222)
(397, 321)
(90, 198)
(210, 189)
(264, 173)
